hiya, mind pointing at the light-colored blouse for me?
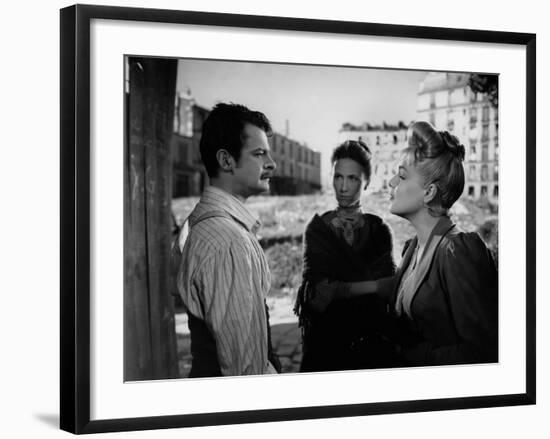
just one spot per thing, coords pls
(406, 287)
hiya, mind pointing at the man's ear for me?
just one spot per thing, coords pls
(430, 192)
(225, 160)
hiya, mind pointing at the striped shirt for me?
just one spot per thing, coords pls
(224, 279)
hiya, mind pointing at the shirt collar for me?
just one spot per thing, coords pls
(220, 199)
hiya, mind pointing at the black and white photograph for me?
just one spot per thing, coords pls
(284, 219)
(275, 219)
(295, 219)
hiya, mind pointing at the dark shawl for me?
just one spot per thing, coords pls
(331, 339)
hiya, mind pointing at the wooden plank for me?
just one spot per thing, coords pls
(149, 330)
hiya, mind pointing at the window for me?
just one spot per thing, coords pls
(484, 173)
(485, 114)
(189, 154)
(473, 114)
(473, 118)
(450, 125)
(196, 153)
(473, 151)
(485, 152)
(471, 191)
(495, 173)
(484, 191)
(472, 172)
(495, 191)
(485, 132)
(394, 139)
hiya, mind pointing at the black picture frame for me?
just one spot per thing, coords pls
(75, 217)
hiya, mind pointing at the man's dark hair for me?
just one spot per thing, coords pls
(224, 129)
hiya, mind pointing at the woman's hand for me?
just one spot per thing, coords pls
(331, 290)
(326, 289)
(325, 292)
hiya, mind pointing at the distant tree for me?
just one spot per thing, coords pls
(487, 84)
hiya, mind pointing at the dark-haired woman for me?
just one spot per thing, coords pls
(445, 293)
(345, 244)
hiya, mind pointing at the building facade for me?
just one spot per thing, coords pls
(385, 143)
(189, 175)
(298, 166)
(448, 103)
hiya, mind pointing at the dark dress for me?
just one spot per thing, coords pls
(453, 315)
(347, 335)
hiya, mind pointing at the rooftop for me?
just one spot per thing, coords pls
(443, 81)
(368, 127)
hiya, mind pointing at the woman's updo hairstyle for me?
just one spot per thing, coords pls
(438, 157)
(355, 150)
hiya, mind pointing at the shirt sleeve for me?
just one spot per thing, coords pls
(470, 282)
(234, 310)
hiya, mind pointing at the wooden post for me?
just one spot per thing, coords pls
(149, 331)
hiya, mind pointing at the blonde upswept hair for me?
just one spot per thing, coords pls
(438, 157)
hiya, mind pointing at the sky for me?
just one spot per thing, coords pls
(316, 100)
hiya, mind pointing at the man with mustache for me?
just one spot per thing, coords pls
(224, 277)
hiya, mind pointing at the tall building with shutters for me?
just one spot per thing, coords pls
(448, 103)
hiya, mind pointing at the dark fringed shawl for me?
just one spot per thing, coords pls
(326, 256)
